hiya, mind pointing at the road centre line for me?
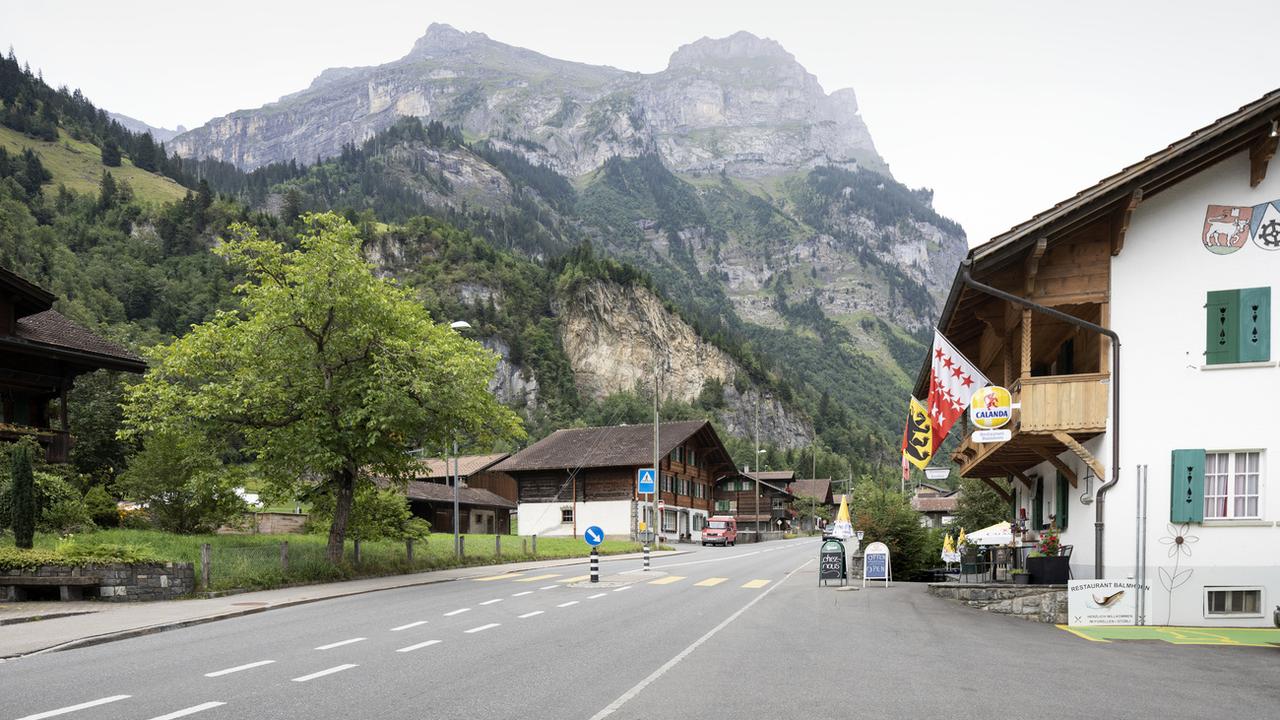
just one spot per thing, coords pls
(238, 668)
(340, 643)
(710, 582)
(520, 594)
(753, 584)
(73, 708)
(490, 602)
(410, 625)
(531, 614)
(189, 711)
(482, 628)
(626, 696)
(535, 578)
(696, 562)
(577, 578)
(567, 604)
(624, 587)
(411, 648)
(503, 576)
(597, 595)
(667, 580)
(322, 673)
(456, 612)
(548, 587)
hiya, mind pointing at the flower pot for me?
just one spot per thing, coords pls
(1021, 578)
(1049, 570)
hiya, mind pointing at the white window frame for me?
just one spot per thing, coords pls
(1230, 496)
(669, 515)
(564, 510)
(1262, 597)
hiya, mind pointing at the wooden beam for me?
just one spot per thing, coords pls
(1122, 225)
(1025, 480)
(1067, 471)
(1033, 264)
(1080, 452)
(1260, 154)
(1026, 343)
(1000, 490)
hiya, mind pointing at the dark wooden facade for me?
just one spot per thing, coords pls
(737, 496)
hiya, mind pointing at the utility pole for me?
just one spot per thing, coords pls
(657, 475)
(756, 459)
(457, 546)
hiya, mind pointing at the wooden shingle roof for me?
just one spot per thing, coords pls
(613, 446)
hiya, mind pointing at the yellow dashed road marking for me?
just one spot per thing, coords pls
(709, 582)
(504, 576)
(755, 583)
(578, 578)
(666, 580)
(535, 578)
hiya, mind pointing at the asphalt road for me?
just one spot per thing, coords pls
(722, 632)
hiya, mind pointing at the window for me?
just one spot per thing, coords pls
(1233, 601)
(679, 454)
(1238, 326)
(668, 483)
(699, 522)
(779, 503)
(691, 458)
(699, 490)
(726, 506)
(566, 514)
(1231, 484)
(668, 521)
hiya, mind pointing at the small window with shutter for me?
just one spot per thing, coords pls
(1238, 326)
(1186, 497)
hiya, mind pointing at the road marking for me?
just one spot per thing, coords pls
(531, 614)
(340, 643)
(73, 708)
(624, 587)
(526, 592)
(699, 562)
(411, 648)
(578, 578)
(597, 595)
(535, 578)
(322, 673)
(753, 584)
(571, 602)
(548, 587)
(666, 580)
(710, 582)
(482, 628)
(410, 625)
(456, 612)
(490, 602)
(622, 700)
(238, 668)
(503, 576)
(189, 711)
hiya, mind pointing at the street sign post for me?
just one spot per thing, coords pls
(593, 535)
(876, 565)
(645, 483)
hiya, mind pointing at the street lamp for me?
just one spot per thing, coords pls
(458, 326)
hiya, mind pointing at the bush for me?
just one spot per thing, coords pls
(102, 507)
(376, 514)
(58, 507)
(887, 517)
(77, 554)
(183, 485)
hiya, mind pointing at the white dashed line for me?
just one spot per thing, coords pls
(410, 625)
(490, 602)
(238, 668)
(340, 643)
(531, 614)
(189, 711)
(322, 673)
(456, 612)
(411, 648)
(571, 602)
(482, 628)
(526, 592)
(548, 587)
(597, 595)
(73, 708)
(624, 587)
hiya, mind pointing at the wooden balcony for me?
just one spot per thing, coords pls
(1058, 412)
(56, 443)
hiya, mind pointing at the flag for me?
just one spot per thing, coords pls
(952, 381)
(917, 439)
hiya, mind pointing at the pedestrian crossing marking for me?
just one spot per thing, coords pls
(503, 576)
(710, 582)
(755, 584)
(666, 580)
(578, 578)
(535, 578)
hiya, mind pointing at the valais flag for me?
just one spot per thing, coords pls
(952, 381)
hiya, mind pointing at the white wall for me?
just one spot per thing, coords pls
(1158, 287)
(613, 516)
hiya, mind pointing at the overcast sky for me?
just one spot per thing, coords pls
(1004, 108)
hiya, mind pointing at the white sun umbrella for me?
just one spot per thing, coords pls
(997, 534)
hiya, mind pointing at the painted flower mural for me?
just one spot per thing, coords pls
(1179, 539)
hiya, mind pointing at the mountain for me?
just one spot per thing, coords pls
(137, 126)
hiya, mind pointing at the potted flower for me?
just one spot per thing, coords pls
(1045, 565)
(1019, 576)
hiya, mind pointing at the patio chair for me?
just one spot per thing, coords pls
(1065, 551)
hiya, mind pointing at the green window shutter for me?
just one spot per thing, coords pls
(1255, 325)
(1037, 507)
(1222, 327)
(1186, 501)
(1063, 504)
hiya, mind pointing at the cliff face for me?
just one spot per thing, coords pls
(740, 104)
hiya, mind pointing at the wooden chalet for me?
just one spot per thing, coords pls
(579, 477)
(41, 354)
(808, 494)
(479, 510)
(769, 509)
(476, 471)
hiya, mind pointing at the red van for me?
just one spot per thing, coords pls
(720, 530)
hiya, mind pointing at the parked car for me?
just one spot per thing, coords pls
(720, 530)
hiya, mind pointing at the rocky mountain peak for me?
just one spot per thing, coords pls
(741, 45)
(443, 39)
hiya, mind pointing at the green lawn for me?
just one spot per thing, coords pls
(253, 561)
(79, 166)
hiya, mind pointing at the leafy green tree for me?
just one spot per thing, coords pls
(979, 506)
(94, 405)
(887, 517)
(180, 479)
(379, 513)
(23, 492)
(324, 376)
(101, 507)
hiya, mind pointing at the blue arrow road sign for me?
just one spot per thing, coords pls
(644, 481)
(593, 535)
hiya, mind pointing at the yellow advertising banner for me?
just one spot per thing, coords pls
(917, 442)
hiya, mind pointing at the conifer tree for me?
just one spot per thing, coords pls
(110, 153)
(23, 492)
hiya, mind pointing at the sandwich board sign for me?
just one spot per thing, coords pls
(831, 562)
(876, 565)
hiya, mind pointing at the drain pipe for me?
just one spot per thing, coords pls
(1098, 522)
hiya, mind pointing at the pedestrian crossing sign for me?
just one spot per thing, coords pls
(645, 481)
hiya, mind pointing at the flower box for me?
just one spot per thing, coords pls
(1051, 570)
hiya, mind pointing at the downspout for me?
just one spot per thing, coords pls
(1098, 523)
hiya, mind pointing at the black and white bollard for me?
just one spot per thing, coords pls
(595, 565)
(646, 557)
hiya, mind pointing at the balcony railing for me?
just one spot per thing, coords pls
(57, 443)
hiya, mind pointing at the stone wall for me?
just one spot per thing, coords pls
(117, 582)
(1039, 603)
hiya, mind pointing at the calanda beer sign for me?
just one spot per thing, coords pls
(991, 408)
